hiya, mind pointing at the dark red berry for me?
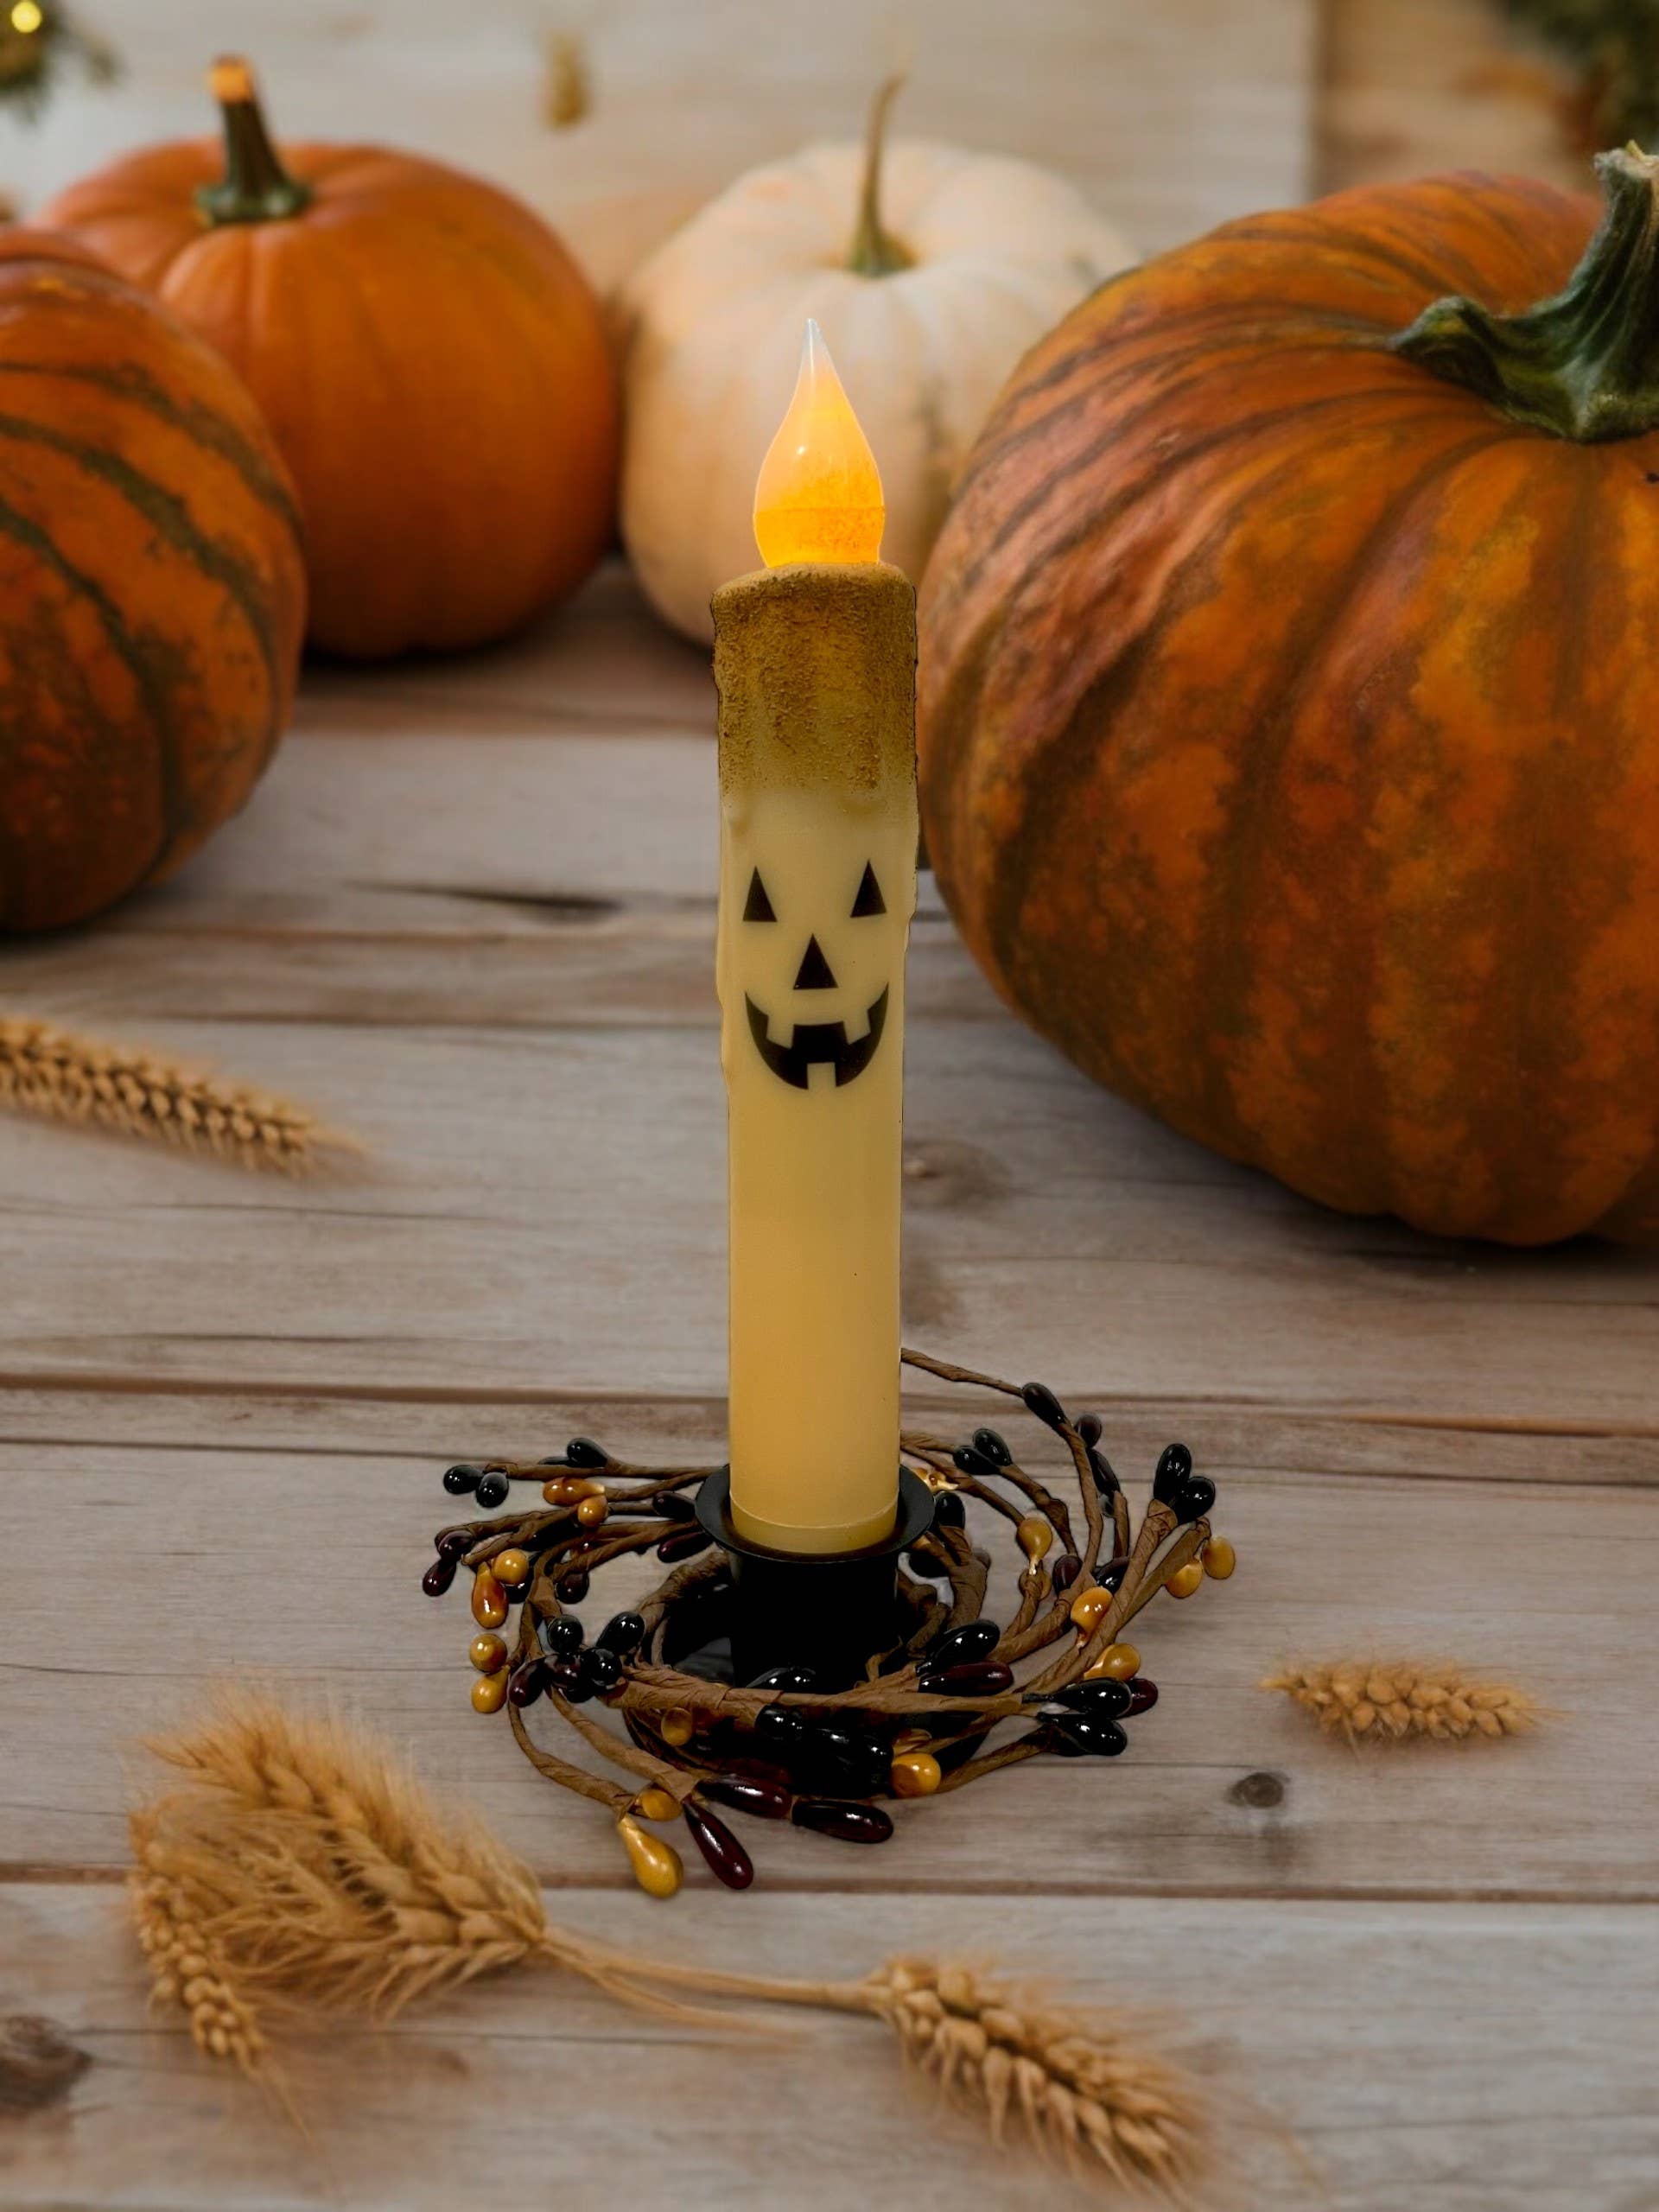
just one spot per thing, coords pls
(672, 1507)
(528, 1683)
(767, 1800)
(1065, 1570)
(1088, 1427)
(683, 1543)
(727, 1861)
(567, 1677)
(451, 1543)
(572, 1585)
(847, 1823)
(1104, 1473)
(1143, 1695)
(438, 1577)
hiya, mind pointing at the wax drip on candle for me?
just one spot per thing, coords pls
(819, 493)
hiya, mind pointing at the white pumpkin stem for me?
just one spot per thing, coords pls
(875, 251)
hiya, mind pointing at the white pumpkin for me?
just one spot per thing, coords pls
(998, 251)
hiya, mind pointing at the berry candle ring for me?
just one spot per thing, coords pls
(945, 1697)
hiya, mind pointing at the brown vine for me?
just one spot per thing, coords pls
(918, 1725)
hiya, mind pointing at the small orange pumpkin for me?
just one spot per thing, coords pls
(1289, 754)
(152, 589)
(432, 361)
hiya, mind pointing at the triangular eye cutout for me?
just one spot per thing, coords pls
(869, 900)
(757, 908)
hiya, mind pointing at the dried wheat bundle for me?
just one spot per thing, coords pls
(299, 1872)
(1397, 1700)
(62, 1077)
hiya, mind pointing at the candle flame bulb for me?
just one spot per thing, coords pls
(819, 494)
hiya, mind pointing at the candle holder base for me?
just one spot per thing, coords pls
(824, 1610)
(880, 1678)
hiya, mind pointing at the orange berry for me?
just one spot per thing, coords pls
(489, 1599)
(1034, 1535)
(915, 1774)
(1219, 1558)
(675, 1727)
(1186, 1580)
(655, 1804)
(511, 1565)
(489, 1691)
(488, 1651)
(657, 1866)
(1090, 1608)
(592, 1510)
(1116, 1663)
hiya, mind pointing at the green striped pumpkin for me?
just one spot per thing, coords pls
(152, 593)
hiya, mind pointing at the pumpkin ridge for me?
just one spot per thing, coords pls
(1064, 474)
(202, 424)
(167, 514)
(1223, 956)
(992, 449)
(947, 734)
(140, 662)
(1050, 780)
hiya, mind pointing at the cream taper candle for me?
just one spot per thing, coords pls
(815, 666)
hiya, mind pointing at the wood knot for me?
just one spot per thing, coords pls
(1260, 1791)
(38, 2062)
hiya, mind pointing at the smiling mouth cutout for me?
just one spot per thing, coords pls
(817, 1044)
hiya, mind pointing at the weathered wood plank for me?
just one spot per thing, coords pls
(547, 1208)
(1170, 117)
(439, 1423)
(1426, 2057)
(303, 1571)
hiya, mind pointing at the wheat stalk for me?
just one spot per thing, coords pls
(1396, 1701)
(63, 1077)
(300, 1871)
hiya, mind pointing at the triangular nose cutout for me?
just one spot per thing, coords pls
(815, 973)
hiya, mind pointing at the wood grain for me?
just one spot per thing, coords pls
(1467, 2058)
(1172, 118)
(302, 1570)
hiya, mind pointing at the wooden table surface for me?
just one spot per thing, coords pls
(470, 916)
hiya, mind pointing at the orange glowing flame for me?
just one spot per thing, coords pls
(819, 493)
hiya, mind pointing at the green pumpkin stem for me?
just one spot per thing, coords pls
(875, 251)
(256, 188)
(1586, 363)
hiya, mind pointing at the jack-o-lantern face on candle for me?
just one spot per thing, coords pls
(817, 1043)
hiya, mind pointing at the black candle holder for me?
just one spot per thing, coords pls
(811, 1688)
(825, 1612)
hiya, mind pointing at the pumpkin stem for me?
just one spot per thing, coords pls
(1586, 363)
(875, 252)
(256, 188)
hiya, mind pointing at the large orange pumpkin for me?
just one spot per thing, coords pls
(152, 590)
(1290, 755)
(430, 357)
